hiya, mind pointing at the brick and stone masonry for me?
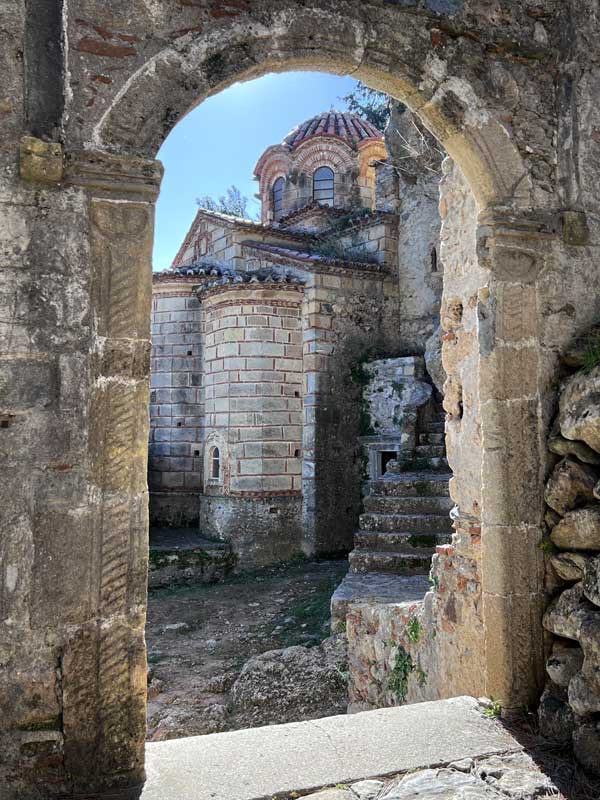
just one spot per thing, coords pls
(176, 404)
(253, 417)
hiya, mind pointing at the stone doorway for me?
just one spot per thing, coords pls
(77, 615)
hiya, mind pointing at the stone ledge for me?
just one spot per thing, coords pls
(374, 588)
(278, 760)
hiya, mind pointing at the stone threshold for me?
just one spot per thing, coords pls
(280, 761)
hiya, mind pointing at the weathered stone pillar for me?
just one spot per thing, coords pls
(514, 250)
(104, 663)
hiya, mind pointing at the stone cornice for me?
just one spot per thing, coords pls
(112, 175)
(315, 263)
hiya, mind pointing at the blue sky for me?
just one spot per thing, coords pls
(219, 143)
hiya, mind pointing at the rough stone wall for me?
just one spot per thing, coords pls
(176, 406)
(570, 706)
(346, 319)
(408, 184)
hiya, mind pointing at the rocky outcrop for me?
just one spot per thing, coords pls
(570, 706)
(294, 683)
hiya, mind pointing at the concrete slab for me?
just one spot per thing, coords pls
(275, 761)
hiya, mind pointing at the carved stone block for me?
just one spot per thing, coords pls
(121, 241)
(40, 162)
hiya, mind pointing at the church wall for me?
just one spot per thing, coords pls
(354, 175)
(209, 239)
(176, 406)
(373, 242)
(348, 316)
(253, 406)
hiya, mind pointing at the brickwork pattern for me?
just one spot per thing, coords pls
(176, 401)
(353, 169)
(253, 391)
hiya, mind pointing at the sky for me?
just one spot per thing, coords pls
(219, 142)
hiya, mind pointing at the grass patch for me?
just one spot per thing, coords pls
(494, 710)
(309, 613)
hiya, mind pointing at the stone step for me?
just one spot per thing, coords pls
(431, 438)
(374, 587)
(423, 464)
(433, 427)
(294, 759)
(429, 450)
(432, 504)
(409, 523)
(411, 484)
(364, 561)
(394, 542)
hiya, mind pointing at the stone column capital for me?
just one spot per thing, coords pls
(112, 175)
(514, 245)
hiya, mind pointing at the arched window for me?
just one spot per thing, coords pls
(215, 463)
(278, 197)
(323, 181)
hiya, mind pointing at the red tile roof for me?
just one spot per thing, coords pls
(342, 125)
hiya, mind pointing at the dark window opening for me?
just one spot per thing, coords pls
(434, 261)
(386, 457)
(196, 452)
(278, 198)
(323, 186)
(189, 352)
(215, 463)
(296, 453)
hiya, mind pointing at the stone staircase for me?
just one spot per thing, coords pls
(407, 514)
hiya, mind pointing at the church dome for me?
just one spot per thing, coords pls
(340, 125)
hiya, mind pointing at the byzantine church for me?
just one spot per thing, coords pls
(258, 332)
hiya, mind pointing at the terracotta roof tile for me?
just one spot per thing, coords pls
(341, 124)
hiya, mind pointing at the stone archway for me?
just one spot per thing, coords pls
(439, 62)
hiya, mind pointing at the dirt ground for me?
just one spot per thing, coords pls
(200, 636)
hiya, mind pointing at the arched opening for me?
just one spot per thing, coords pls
(277, 190)
(487, 184)
(324, 186)
(215, 463)
(116, 122)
